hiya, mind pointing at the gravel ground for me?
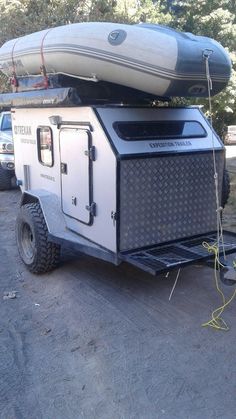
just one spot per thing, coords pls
(95, 341)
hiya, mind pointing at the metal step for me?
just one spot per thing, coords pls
(184, 252)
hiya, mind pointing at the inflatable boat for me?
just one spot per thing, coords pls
(151, 58)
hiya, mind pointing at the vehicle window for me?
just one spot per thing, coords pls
(6, 122)
(45, 146)
(159, 130)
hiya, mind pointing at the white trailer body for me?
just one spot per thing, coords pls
(83, 182)
(119, 183)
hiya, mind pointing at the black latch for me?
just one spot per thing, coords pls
(114, 216)
(64, 168)
(90, 153)
(74, 200)
(92, 209)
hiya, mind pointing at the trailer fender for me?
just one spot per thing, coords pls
(51, 208)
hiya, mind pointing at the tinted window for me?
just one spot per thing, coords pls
(6, 122)
(45, 146)
(134, 131)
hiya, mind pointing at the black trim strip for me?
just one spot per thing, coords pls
(106, 132)
(147, 155)
(118, 204)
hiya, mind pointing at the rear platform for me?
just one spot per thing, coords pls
(158, 259)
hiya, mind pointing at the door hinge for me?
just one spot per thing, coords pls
(92, 209)
(91, 153)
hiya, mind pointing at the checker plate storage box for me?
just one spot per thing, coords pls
(167, 197)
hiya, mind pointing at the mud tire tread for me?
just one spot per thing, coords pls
(46, 254)
(5, 179)
(225, 188)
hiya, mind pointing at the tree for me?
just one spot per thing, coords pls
(149, 11)
(215, 19)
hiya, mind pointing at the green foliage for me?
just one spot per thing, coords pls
(213, 18)
(4, 83)
(223, 106)
(216, 19)
(151, 12)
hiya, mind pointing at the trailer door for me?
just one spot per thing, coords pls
(76, 173)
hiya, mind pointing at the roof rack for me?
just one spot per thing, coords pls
(64, 90)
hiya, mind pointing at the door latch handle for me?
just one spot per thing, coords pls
(64, 168)
(74, 200)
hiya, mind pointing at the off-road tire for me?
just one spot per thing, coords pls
(37, 252)
(5, 179)
(225, 188)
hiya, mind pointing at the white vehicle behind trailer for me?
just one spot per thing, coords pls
(231, 135)
(119, 183)
(7, 164)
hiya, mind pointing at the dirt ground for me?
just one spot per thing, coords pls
(95, 341)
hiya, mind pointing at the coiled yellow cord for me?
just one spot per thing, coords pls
(216, 320)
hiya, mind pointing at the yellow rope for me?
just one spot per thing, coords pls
(216, 320)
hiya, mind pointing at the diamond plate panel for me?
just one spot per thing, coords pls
(167, 198)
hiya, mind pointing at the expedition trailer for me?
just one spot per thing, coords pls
(120, 183)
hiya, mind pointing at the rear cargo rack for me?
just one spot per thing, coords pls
(185, 252)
